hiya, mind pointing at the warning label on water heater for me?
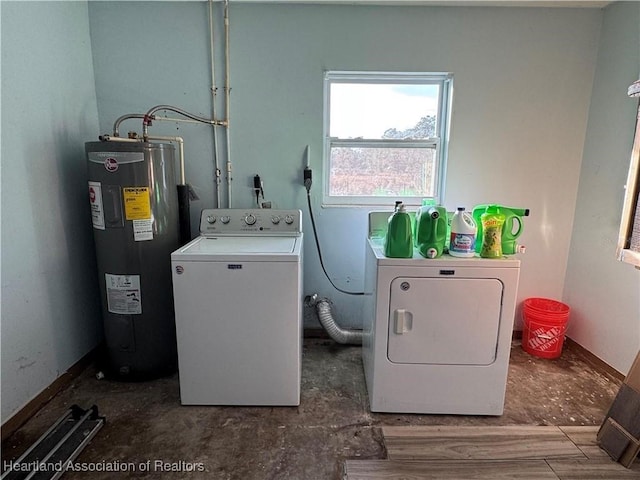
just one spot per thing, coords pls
(137, 203)
(95, 201)
(142, 230)
(123, 294)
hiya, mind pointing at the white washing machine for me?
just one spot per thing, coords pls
(437, 332)
(238, 303)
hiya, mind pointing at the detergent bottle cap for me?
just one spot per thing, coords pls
(428, 202)
(461, 209)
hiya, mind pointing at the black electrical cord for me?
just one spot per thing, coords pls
(315, 234)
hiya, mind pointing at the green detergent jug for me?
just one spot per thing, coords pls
(431, 230)
(426, 204)
(511, 230)
(492, 222)
(398, 242)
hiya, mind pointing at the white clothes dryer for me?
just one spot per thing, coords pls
(238, 304)
(437, 332)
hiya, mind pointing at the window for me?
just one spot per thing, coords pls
(629, 238)
(385, 137)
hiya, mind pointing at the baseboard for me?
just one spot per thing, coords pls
(30, 409)
(595, 361)
(588, 357)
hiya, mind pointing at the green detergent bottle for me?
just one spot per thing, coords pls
(511, 230)
(431, 230)
(398, 242)
(426, 204)
(492, 222)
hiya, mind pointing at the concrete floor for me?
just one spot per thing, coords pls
(145, 421)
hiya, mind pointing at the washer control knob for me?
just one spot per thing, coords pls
(275, 219)
(250, 219)
(211, 219)
(225, 219)
(288, 219)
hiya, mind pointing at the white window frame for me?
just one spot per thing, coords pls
(438, 143)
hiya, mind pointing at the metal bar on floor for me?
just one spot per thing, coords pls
(48, 457)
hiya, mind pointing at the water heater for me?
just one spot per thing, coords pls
(134, 210)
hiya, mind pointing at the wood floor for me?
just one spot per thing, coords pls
(490, 453)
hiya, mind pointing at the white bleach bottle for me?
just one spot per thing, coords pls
(463, 234)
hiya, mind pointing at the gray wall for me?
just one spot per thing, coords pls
(50, 306)
(603, 292)
(521, 95)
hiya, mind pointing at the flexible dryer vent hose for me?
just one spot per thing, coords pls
(340, 335)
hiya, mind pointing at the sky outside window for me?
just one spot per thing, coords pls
(367, 110)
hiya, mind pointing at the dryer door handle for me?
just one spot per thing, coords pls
(403, 321)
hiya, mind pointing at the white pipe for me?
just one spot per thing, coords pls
(227, 89)
(180, 142)
(109, 138)
(150, 116)
(116, 131)
(214, 92)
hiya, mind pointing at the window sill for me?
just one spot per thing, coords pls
(629, 256)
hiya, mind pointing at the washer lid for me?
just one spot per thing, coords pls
(254, 248)
(242, 245)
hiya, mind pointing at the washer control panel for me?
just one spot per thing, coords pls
(252, 221)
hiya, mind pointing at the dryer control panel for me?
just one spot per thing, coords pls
(251, 221)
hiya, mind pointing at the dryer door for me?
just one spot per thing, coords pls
(444, 321)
